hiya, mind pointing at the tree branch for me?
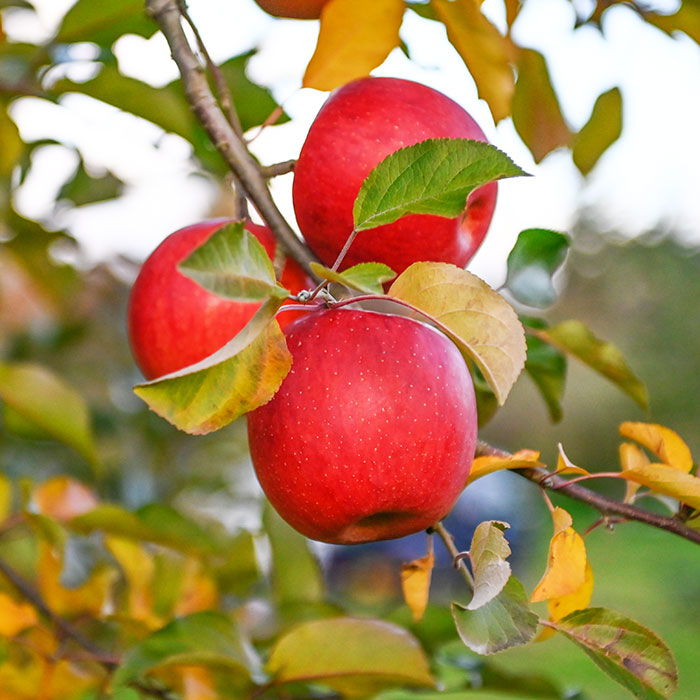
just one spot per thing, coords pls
(604, 505)
(27, 590)
(231, 147)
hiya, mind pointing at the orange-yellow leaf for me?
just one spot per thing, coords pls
(139, 569)
(198, 592)
(415, 583)
(15, 616)
(484, 50)
(631, 457)
(663, 442)
(482, 466)
(566, 466)
(667, 480)
(566, 563)
(90, 599)
(197, 683)
(356, 36)
(63, 498)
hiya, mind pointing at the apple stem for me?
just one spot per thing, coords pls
(457, 557)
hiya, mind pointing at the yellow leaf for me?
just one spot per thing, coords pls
(15, 616)
(566, 563)
(483, 49)
(562, 606)
(566, 466)
(631, 457)
(356, 36)
(480, 321)
(63, 498)
(5, 497)
(482, 466)
(577, 600)
(415, 582)
(663, 442)
(139, 569)
(667, 480)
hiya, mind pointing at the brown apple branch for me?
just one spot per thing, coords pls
(222, 134)
(605, 506)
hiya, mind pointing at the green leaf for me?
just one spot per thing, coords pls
(505, 621)
(296, 574)
(546, 366)
(488, 553)
(355, 657)
(232, 263)
(365, 277)
(537, 255)
(432, 177)
(155, 523)
(239, 377)
(84, 188)
(254, 104)
(537, 116)
(575, 338)
(480, 321)
(50, 404)
(164, 106)
(630, 654)
(600, 131)
(202, 639)
(104, 22)
(11, 141)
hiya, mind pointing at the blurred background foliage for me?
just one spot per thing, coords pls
(70, 318)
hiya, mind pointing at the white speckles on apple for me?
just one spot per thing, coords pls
(401, 434)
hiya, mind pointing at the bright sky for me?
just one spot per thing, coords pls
(649, 178)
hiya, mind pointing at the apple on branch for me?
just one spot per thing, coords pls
(372, 433)
(172, 321)
(360, 124)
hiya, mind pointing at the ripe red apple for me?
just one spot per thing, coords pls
(296, 9)
(372, 433)
(172, 321)
(359, 125)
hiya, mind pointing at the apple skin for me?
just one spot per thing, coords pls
(358, 126)
(372, 433)
(295, 9)
(173, 322)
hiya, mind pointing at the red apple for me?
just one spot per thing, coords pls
(296, 9)
(372, 433)
(360, 124)
(172, 321)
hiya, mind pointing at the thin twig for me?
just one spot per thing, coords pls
(457, 556)
(286, 166)
(204, 106)
(603, 504)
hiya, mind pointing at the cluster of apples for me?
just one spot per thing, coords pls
(372, 433)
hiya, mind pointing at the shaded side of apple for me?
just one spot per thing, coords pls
(359, 125)
(372, 434)
(172, 321)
